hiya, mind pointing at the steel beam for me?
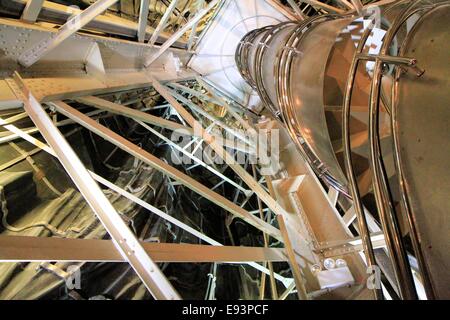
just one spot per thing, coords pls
(133, 113)
(170, 171)
(162, 23)
(143, 18)
(42, 146)
(57, 13)
(124, 240)
(297, 9)
(324, 6)
(210, 140)
(194, 158)
(177, 35)
(358, 6)
(74, 24)
(151, 119)
(42, 249)
(193, 34)
(212, 118)
(297, 273)
(32, 9)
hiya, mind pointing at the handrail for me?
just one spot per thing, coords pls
(382, 192)
(353, 186)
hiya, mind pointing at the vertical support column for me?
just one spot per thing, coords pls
(143, 16)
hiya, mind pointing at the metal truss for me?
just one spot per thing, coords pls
(124, 240)
(302, 230)
(131, 197)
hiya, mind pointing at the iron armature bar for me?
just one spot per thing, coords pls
(178, 223)
(160, 165)
(352, 182)
(124, 240)
(358, 6)
(133, 198)
(74, 24)
(43, 249)
(210, 140)
(162, 23)
(13, 136)
(212, 118)
(32, 9)
(177, 35)
(122, 110)
(194, 158)
(297, 9)
(324, 6)
(143, 20)
(133, 113)
(193, 34)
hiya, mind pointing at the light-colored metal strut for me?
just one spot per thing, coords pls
(124, 240)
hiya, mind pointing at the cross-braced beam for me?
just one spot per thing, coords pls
(124, 240)
(42, 146)
(170, 171)
(162, 23)
(74, 24)
(211, 141)
(177, 35)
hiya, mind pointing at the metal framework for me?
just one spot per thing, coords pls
(309, 225)
(123, 238)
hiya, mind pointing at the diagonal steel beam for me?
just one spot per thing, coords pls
(42, 146)
(162, 23)
(132, 113)
(240, 135)
(209, 139)
(177, 35)
(170, 171)
(124, 240)
(74, 24)
(193, 34)
(153, 120)
(193, 157)
(357, 4)
(326, 7)
(297, 9)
